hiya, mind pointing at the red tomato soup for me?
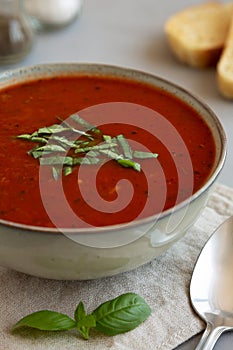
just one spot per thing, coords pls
(26, 107)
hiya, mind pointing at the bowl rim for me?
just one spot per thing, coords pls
(75, 67)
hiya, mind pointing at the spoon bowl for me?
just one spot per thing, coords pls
(212, 285)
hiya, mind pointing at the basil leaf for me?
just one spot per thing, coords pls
(102, 146)
(79, 312)
(46, 320)
(67, 170)
(144, 155)
(125, 146)
(127, 163)
(38, 139)
(121, 314)
(64, 141)
(36, 154)
(84, 123)
(93, 154)
(107, 138)
(57, 160)
(51, 148)
(56, 172)
(52, 129)
(24, 136)
(111, 154)
(85, 160)
(80, 132)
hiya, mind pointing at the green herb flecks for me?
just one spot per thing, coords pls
(59, 147)
(116, 316)
(85, 123)
(125, 146)
(128, 163)
(144, 155)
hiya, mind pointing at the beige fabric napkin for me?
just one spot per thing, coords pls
(164, 283)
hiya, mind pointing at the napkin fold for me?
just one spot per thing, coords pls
(163, 283)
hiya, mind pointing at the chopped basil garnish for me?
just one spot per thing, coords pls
(144, 155)
(125, 146)
(85, 123)
(56, 160)
(128, 163)
(92, 147)
(95, 147)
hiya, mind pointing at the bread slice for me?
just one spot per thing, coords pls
(197, 34)
(225, 67)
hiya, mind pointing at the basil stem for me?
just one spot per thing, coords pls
(84, 322)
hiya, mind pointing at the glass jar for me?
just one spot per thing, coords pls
(16, 34)
(52, 14)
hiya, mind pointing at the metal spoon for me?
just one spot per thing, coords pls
(211, 288)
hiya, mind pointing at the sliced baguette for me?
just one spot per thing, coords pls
(225, 67)
(197, 34)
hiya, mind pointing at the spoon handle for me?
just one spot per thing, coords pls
(204, 337)
(210, 337)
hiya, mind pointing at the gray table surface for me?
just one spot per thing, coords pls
(130, 33)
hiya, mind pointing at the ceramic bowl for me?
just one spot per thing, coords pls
(52, 254)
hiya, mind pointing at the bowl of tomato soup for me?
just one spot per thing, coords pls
(102, 168)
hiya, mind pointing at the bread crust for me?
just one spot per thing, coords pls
(225, 66)
(197, 34)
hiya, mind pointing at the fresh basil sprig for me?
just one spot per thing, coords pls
(116, 316)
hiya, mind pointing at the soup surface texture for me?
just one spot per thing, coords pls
(29, 106)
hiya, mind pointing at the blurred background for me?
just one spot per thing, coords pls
(127, 33)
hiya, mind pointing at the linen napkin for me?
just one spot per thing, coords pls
(163, 283)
